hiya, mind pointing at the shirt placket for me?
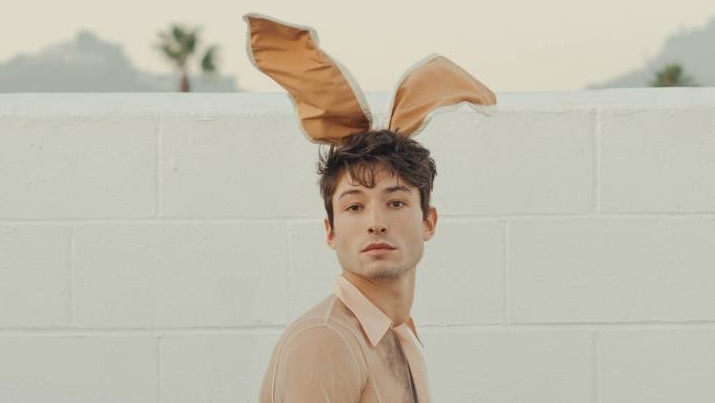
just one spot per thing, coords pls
(412, 350)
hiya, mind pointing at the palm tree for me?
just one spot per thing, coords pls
(178, 44)
(672, 75)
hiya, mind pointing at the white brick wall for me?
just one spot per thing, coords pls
(75, 368)
(153, 247)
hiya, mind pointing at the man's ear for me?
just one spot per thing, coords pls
(329, 234)
(430, 224)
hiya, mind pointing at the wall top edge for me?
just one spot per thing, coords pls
(119, 104)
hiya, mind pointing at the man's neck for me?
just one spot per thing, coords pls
(393, 296)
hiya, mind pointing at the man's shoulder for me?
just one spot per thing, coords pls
(318, 355)
(326, 320)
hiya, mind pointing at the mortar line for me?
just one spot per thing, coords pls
(71, 285)
(596, 368)
(602, 326)
(293, 220)
(159, 169)
(289, 261)
(159, 385)
(81, 332)
(597, 130)
(708, 326)
(506, 276)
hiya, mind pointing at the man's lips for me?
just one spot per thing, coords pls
(378, 247)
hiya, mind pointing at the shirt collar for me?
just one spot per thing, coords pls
(374, 322)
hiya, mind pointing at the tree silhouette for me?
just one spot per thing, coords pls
(178, 44)
(672, 75)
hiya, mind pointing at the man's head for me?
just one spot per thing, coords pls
(376, 187)
(362, 155)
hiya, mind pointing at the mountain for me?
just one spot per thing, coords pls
(694, 50)
(90, 64)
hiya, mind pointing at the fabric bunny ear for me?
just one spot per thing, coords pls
(328, 102)
(434, 83)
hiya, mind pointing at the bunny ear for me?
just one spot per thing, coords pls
(434, 83)
(328, 102)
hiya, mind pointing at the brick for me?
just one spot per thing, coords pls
(34, 276)
(214, 368)
(78, 369)
(512, 162)
(509, 366)
(238, 166)
(72, 167)
(175, 274)
(314, 266)
(657, 366)
(658, 160)
(461, 277)
(612, 270)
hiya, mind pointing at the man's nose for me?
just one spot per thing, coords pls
(376, 225)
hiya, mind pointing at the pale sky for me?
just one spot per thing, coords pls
(510, 45)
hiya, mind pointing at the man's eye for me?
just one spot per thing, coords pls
(354, 207)
(397, 203)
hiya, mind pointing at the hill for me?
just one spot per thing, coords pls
(694, 50)
(90, 64)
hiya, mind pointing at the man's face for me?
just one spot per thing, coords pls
(378, 232)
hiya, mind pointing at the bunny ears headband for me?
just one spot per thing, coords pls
(329, 103)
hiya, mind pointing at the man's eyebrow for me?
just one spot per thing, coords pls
(349, 192)
(391, 189)
(398, 188)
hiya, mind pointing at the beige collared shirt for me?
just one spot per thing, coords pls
(346, 350)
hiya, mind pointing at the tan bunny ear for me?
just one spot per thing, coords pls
(328, 102)
(434, 83)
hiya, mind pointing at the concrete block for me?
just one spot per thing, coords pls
(181, 274)
(313, 266)
(73, 167)
(214, 368)
(257, 165)
(509, 366)
(657, 366)
(34, 276)
(517, 162)
(461, 277)
(78, 369)
(658, 160)
(612, 270)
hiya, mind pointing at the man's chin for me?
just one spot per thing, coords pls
(385, 273)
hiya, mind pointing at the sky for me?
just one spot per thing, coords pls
(510, 45)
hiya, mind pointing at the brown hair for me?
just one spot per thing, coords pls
(361, 155)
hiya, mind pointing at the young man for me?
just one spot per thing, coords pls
(360, 344)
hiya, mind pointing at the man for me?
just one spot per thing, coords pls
(360, 344)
